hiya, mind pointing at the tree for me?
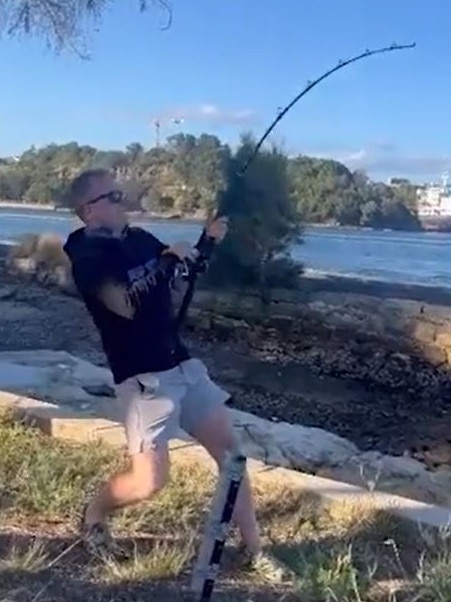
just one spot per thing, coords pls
(62, 23)
(264, 224)
(201, 163)
(327, 191)
(14, 184)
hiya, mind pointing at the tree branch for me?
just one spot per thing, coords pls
(63, 23)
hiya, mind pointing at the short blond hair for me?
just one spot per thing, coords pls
(78, 189)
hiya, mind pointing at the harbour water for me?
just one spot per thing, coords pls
(422, 258)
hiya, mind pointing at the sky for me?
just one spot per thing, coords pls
(225, 66)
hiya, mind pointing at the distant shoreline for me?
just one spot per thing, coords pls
(136, 215)
(34, 206)
(443, 227)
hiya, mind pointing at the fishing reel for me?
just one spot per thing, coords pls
(189, 269)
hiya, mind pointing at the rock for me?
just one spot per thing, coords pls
(99, 390)
(443, 340)
(435, 355)
(295, 446)
(7, 292)
(424, 332)
(14, 311)
(70, 381)
(52, 375)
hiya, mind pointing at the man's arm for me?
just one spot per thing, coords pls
(92, 275)
(116, 298)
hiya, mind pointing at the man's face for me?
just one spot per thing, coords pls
(104, 204)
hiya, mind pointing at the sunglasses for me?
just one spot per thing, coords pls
(114, 196)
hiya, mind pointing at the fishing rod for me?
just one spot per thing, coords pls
(310, 85)
(233, 469)
(205, 245)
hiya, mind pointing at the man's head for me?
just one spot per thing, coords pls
(97, 200)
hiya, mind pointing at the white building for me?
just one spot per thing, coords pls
(434, 200)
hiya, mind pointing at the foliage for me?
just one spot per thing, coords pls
(328, 192)
(264, 221)
(61, 23)
(188, 175)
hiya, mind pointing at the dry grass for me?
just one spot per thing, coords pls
(42, 257)
(44, 248)
(339, 552)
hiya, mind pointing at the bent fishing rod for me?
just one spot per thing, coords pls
(233, 469)
(312, 84)
(205, 244)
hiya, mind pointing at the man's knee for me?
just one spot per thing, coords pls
(150, 471)
(216, 434)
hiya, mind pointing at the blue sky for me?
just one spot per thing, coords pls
(226, 65)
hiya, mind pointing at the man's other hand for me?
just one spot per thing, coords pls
(218, 228)
(183, 250)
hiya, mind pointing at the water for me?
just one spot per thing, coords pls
(410, 258)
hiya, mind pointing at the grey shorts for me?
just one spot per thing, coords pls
(154, 406)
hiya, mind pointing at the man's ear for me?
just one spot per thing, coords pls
(80, 212)
(85, 212)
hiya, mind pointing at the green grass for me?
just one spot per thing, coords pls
(339, 552)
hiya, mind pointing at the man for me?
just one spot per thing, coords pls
(124, 275)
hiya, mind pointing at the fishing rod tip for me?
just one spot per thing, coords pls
(404, 46)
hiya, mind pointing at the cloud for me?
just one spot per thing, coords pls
(207, 113)
(383, 158)
(223, 115)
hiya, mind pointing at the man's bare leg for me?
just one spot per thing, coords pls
(146, 476)
(216, 435)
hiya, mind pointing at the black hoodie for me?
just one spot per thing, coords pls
(148, 342)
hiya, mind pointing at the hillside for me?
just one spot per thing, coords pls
(186, 175)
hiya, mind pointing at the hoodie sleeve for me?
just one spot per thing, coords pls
(90, 272)
(91, 266)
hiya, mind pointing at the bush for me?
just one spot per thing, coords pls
(264, 225)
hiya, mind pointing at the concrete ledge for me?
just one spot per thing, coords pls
(62, 423)
(67, 425)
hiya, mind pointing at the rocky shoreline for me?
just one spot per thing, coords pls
(367, 367)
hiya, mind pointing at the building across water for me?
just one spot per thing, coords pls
(434, 204)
